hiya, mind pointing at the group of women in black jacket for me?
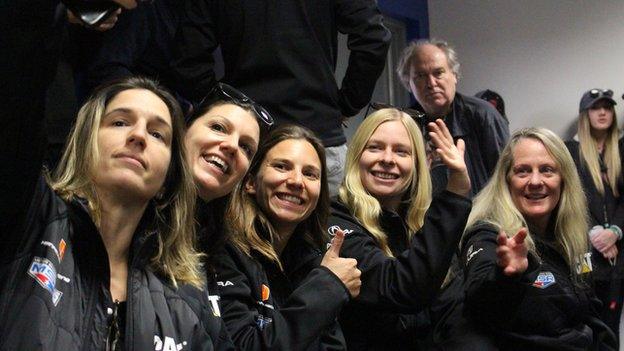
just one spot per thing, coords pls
(112, 252)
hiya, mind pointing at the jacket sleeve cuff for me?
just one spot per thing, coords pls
(337, 280)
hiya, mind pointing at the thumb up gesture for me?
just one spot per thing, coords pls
(344, 268)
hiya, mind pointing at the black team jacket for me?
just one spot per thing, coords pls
(394, 290)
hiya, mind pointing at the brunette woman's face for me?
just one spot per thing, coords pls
(601, 115)
(134, 142)
(219, 146)
(288, 184)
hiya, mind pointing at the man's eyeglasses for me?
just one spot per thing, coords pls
(594, 93)
(222, 90)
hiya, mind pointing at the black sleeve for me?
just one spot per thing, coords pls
(410, 282)
(333, 340)
(256, 324)
(618, 214)
(494, 131)
(193, 63)
(368, 42)
(120, 47)
(492, 296)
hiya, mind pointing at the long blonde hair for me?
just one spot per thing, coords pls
(175, 256)
(244, 218)
(361, 203)
(494, 204)
(588, 152)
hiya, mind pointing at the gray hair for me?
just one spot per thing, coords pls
(407, 58)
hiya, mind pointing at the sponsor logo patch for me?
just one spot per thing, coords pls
(544, 280)
(584, 264)
(334, 228)
(60, 252)
(62, 246)
(45, 274)
(225, 283)
(263, 321)
(265, 292)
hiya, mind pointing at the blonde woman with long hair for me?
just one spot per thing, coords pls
(102, 255)
(525, 252)
(597, 154)
(402, 239)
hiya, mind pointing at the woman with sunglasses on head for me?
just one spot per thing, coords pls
(221, 140)
(596, 151)
(279, 292)
(525, 252)
(103, 256)
(402, 239)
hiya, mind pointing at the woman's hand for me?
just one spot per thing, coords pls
(453, 157)
(512, 253)
(603, 240)
(344, 268)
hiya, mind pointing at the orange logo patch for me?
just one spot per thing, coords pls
(265, 292)
(62, 249)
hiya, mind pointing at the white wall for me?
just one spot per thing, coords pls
(540, 55)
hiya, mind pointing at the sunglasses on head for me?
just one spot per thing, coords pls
(594, 93)
(222, 91)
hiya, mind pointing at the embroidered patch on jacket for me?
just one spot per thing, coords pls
(544, 280)
(62, 246)
(263, 321)
(265, 292)
(584, 264)
(168, 344)
(334, 228)
(45, 274)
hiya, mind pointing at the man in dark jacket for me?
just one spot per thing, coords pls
(283, 55)
(429, 69)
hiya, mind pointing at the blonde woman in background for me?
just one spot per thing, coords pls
(597, 154)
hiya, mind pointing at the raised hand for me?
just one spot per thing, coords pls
(453, 157)
(344, 268)
(512, 253)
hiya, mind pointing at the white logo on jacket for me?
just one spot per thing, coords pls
(168, 344)
(334, 228)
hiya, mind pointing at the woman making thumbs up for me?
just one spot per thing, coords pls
(275, 291)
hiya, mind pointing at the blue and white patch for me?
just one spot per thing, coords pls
(334, 228)
(43, 271)
(544, 280)
(263, 321)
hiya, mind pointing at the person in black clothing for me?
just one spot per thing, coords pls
(278, 291)
(102, 255)
(429, 69)
(525, 252)
(140, 43)
(382, 208)
(597, 155)
(221, 139)
(283, 55)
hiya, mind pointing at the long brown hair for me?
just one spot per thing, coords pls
(175, 257)
(244, 217)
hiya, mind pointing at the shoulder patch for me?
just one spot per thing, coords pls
(544, 280)
(44, 273)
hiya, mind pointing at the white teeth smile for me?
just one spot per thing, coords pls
(290, 198)
(217, 161)
(384, 175)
